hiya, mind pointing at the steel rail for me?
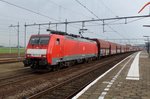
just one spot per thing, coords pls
(5, 61)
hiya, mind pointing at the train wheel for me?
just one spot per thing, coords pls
(33, 67)
(49, 68)
(55, 68)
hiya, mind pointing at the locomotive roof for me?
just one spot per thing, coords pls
(41, 35)
(77, 37)
(69, 36)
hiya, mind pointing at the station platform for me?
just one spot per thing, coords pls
(129, 79)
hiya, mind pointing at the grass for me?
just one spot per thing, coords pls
(5, 50)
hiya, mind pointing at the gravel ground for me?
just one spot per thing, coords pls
(11, 67)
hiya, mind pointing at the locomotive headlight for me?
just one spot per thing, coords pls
(44, 56)
(28, 55)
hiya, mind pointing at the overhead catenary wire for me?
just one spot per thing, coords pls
(96, 16)
(72, 11)
(76, 0)
(127, 22)
(116, 31)
(31, 10)
(87, 8)
(73, 24)
(136, 20)
(112, 22)
(93, 20)
(107, 7)
(24, 8)
(93, 12)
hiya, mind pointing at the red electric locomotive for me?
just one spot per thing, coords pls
(61, 49)
(47, 51)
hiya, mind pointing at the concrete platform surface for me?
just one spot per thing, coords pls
(130, 79)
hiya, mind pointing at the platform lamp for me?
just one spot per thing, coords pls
(148, 44)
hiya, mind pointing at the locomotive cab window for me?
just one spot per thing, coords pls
(57, 41)
(42, 40)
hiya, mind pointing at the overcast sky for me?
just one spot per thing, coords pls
(71, 10)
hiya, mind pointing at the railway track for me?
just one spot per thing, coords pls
(14, 76)
(70, 87)
(10, 55)
(38, 85)
(10, 60)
